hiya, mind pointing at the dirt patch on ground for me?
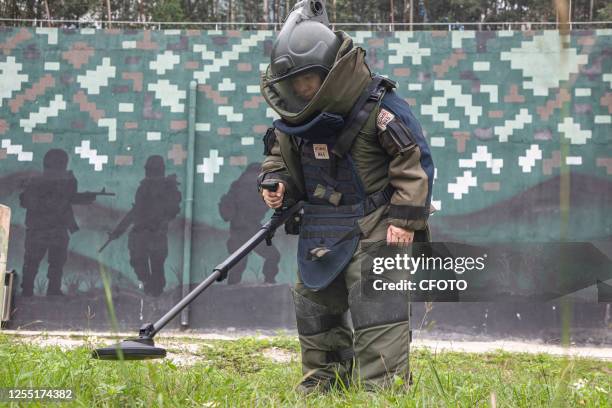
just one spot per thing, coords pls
(52, 341)
(279, 355)
(600, 353)
(188, 349)
(187, 352)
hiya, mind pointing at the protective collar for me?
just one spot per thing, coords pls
(338, 93)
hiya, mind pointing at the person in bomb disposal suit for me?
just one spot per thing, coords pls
(246, 223)
(156, 203)
(48, 201)
(350, 147)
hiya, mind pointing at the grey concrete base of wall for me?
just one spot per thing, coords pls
(270, 307)
(220, 306)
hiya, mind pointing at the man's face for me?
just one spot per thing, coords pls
(306, 85)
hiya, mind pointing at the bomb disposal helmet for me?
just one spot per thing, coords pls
(305, 48)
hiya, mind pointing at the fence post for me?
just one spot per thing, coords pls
(5, 287)
(188, 226)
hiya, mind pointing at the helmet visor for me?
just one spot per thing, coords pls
(295, 91)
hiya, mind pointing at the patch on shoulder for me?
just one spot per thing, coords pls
(383, 118)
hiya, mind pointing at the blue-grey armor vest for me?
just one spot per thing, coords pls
(329, 234)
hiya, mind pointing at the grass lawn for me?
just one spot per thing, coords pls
(229, 373)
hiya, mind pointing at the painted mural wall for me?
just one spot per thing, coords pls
(85, 111)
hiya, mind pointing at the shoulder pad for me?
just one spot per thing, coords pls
(388, 83)
(400, 134)
(269, 139)
(385, 82)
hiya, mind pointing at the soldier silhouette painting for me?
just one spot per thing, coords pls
(48, 200)
(244, 224)
(157, 202)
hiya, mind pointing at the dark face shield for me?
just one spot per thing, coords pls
(297, 90)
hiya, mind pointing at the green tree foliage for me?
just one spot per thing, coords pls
(168, 10)
(340, 11)
(130, 10)
(69, 9)
(348, 11)
(200, 10)
(604, 12)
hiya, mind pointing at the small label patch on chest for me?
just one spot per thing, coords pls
(320, 151)
(383, 118)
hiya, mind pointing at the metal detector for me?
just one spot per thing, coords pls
(143, 346)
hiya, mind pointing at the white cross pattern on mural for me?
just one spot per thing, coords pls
(86, 152)
(210, 166)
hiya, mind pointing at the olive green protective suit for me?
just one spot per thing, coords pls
(378, 332)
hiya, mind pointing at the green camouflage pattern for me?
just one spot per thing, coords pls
(505, 113)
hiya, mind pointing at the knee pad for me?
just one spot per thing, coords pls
(313, 318)
(370, 310)
(326, 341)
